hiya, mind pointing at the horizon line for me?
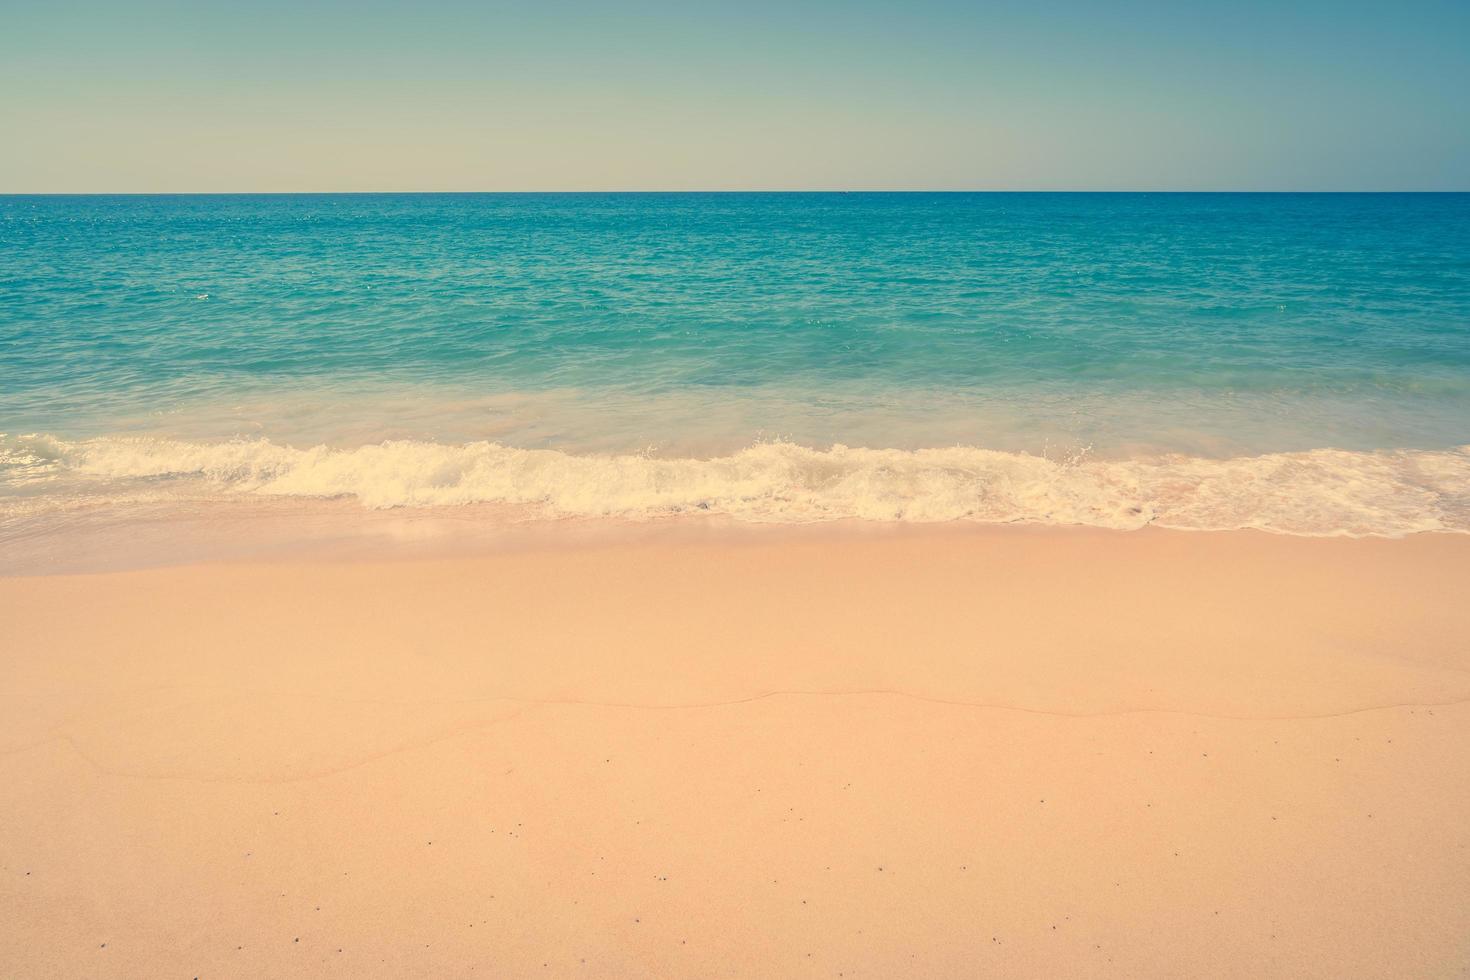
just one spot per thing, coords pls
(787, 190)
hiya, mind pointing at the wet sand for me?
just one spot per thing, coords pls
(939, 752)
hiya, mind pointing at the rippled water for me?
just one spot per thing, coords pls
(1300, 362)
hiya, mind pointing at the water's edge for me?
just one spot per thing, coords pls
(1318, 493)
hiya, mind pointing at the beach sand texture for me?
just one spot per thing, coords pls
(927, 752)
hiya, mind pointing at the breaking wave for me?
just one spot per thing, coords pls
(1317, 492)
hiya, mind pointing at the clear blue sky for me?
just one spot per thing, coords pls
(657, 94)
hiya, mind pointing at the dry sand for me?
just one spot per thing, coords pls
(930, 753)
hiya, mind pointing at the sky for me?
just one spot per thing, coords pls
(443, 95)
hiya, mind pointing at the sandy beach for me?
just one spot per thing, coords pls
(938, 752)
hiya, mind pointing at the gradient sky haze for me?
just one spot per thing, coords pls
(567, 95)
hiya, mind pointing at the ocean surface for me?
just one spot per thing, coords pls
(1297, 363)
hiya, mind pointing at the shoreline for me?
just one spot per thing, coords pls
(93, 488)
(921, 751)
(101, 539)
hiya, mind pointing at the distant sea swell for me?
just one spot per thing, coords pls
(1319, 492)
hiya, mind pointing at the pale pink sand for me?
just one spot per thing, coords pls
(932, 753)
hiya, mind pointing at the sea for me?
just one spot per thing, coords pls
(1294, 363)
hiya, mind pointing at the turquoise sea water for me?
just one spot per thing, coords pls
(1294, 362)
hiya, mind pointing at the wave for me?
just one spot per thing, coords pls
(1317, 492)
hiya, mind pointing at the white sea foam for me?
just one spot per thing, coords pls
(1316, 492)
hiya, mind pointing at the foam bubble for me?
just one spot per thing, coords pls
(1315, 492)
